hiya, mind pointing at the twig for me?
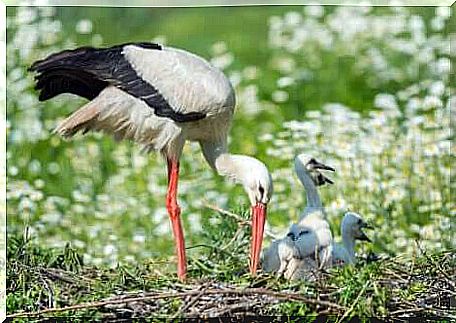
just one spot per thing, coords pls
(335, 292)
(438, 311)
(354, 303)
(233, 307)
(236, 234)
(200, 310)
(49, 290)
(55, 273)
(225, 212)
(442, 313)
(449, 280)
(190, 304)
(409, 278)
(392, 273)
(237, 218)
(247, 291)
(407, 310)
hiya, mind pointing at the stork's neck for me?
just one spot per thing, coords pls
(217, 156)
(313, 198)
(349, 243)
(245, 170)
(221, 160)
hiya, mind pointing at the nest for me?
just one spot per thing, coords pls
(219, 286)
(265, 295)
(207, 300)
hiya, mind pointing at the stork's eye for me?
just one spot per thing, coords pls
(360, 221)
(261, 189)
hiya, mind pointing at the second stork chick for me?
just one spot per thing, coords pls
(352, 229)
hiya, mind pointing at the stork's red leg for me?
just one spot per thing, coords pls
(174, 214)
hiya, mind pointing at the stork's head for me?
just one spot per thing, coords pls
(254, 176)
(304, 237)
(257, 182)
(353, 225)
(314, 168)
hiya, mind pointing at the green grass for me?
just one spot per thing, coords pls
(40, 278)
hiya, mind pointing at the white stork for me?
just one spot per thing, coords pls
(312, 229)
(159, 97)
(352, 229)
(294, 255)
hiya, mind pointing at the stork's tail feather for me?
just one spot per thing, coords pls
(63, 72)
(82, 120)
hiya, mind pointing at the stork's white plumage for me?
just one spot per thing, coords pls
(352, 229)
(159, 97)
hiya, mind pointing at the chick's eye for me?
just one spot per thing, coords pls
(360, 221)
(304, 232)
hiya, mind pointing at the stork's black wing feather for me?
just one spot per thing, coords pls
(86, 71)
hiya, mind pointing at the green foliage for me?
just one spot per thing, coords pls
(360, 290)
(293, 309)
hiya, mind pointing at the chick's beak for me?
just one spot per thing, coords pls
(363, 237)
(258, 220)
(318, 165)
(368, 226)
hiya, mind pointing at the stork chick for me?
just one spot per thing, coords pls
(315, 234)
(277, 256)
(352, 229)
(308, 244)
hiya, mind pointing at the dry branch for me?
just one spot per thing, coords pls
(237, 217)
(222, 291)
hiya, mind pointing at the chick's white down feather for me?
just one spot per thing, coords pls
(311, 237)
(351, 230)
(317, 238)
(271, 259)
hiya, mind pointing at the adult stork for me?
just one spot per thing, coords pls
(159, 97)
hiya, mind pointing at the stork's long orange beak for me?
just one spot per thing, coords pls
(258, 219)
